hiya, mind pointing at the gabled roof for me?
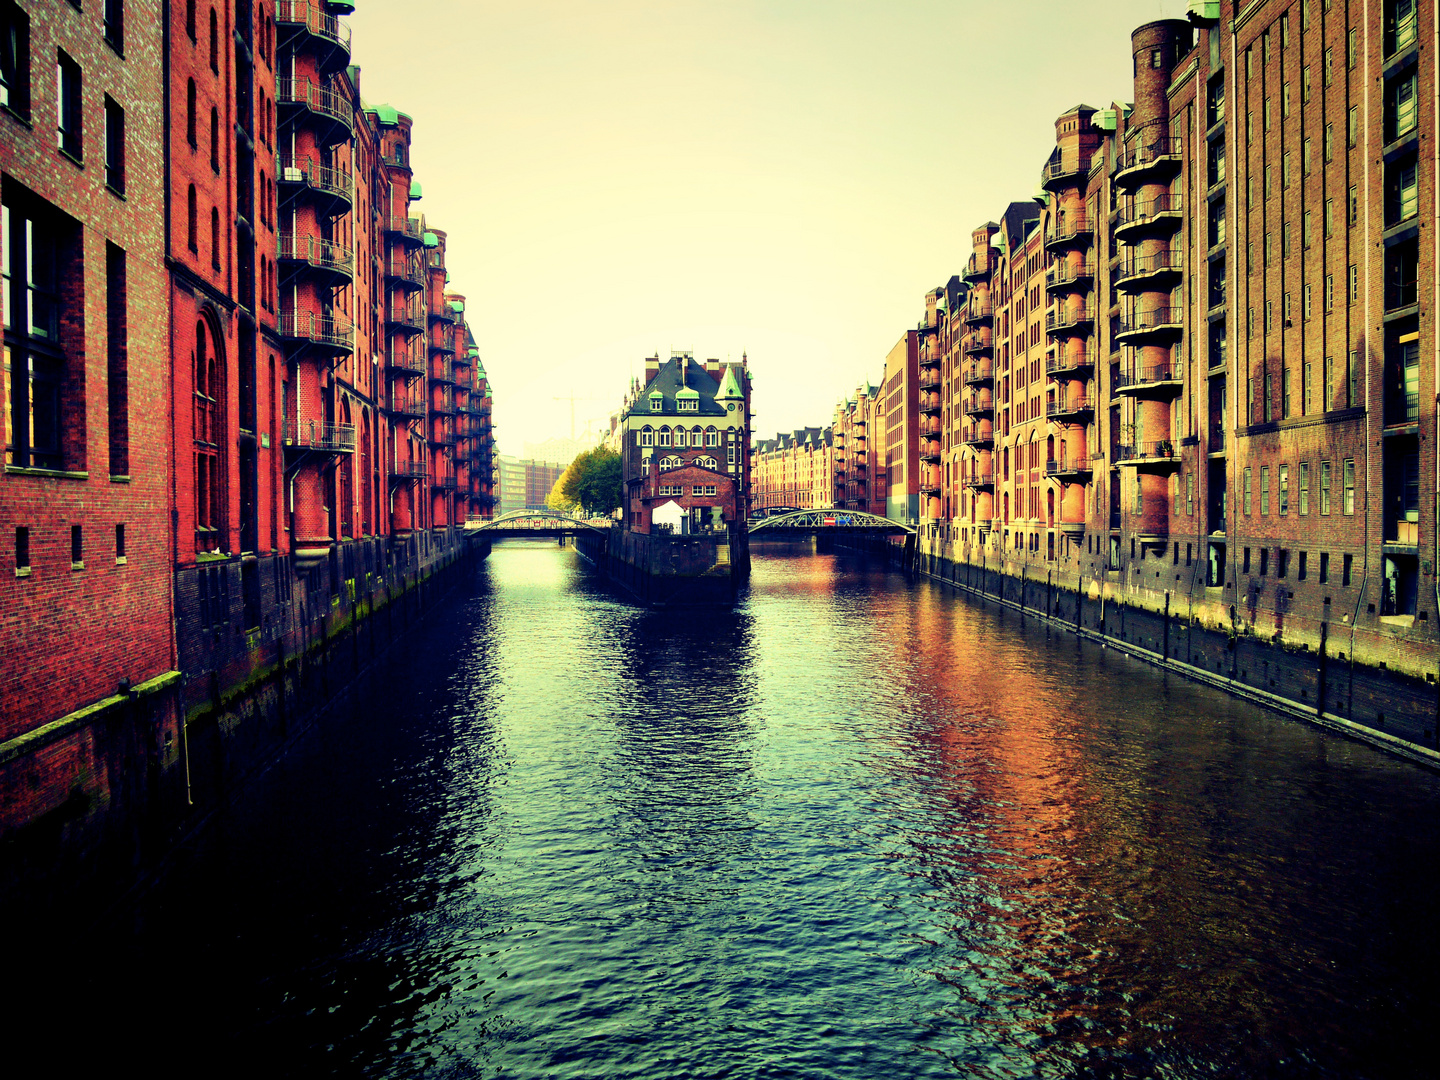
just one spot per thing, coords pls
(677, 376)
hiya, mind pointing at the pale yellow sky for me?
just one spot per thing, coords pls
(785, 178)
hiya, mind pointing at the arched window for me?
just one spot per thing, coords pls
(214, 42)
(647, 437)
(214, 138)
(209, 482)
(215, 238)
(712, 437)
(680, 439)
(190, 18)
(191, 210)
(664, 439)
(190, 113)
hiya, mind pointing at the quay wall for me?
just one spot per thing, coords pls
(667, 570)
(1325, 669)
(93, 801)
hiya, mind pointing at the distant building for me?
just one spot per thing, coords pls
(526, 484)
(685, 437)
(793, 470)
(561, 451)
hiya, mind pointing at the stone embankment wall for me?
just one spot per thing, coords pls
(1326, 670)
(91, 802)
(665, 570)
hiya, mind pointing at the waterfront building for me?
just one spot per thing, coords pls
(526, 484)
(246, 372)
(857, 475)
(686, 440)
(794, 470)
(85, 597)
(900, 427)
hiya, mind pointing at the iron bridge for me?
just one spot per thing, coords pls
(812, 522)
(527, 523)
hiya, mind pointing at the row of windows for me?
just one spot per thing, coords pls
(1282, 491)
(1262, 410)
(679, 437)
(24, 540)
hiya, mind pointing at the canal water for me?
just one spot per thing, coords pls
(856, 827)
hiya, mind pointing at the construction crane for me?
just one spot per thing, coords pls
(572, 398)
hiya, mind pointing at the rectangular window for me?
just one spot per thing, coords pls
(1352, 380)
(1247, 491)
(67, 106)
(1305, 230)
(1306, 381)
(1327, 369)
(34, 250)
(1348, 564)
(1305, 84)
(1266, 403)
(1305, 157)
(1325, 489)
(1282, 562)
(1246, 562)
(22, 550)
(1264, 561)
(1329, 292)
(1190, 494)
(114, 145)
(77, 548)
(1269, 185)
(117, 364)
(1328, 146)
(1264, 490)
(114, 17)
(1305, 301)
(1348, 506)
(1352, 127)
(1354, 283)
(14, 59)
(1304, 487)
(1329, 217)
(1324, 568)
(1328, 67)
(1285, 170)
(1285, 100)
(1285, 240)
(1351, 49)
(1269, 316)
(1284, 492)
(1402, 105)
(1284, 392)
(119, 543)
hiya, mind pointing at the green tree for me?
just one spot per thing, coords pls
(590, 484)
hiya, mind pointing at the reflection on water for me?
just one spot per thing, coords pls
(854, 827)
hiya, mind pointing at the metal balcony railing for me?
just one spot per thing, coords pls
(1148, 375)
(1141, 322)
(1064, 272)
(405, 319)
(1064, 317)
(1077, 407)
(407, 229)
(1157, 450)
(1138, 213)
(336, 183)
(408, 406)
(980, 478)
(319, 23)
(1070, 360)
(409, 470)
(1148, 151)
(402, 270)
(330, 331)
(317, 99)
(1072, 228)
(1144, 266)
(324, 254)
(319, 435)
(977, 309)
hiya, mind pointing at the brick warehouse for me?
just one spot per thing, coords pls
(1187, 395)
(305, 448)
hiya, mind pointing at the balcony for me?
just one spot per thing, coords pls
(1162, 215)
(1073, 411)
(1059, 173)
(406, 230)
(319, 436)
(979, 371)
(930, 452)
(331, 190)
(1150, 381)
(408, 406)
(1075, 229)
(1216, 445)
(979, 311)
(323, 333)
(443, 347)
(441, 436)
(1065, 276)
(404, 274)
(979, 340)
(929, 404)
(405, 367)
(1070, 361)
(330, 262)
(1159, 272)
(1151, 327)
(404, 471)
(928, 380)
(978, 405)
(978, 438)
(404, 321)
(978, 268)
(1160, 456)
(1148, 159)
(445, 406)
(444, 482)
(443, 315)
(303, 26)
(980, 478)
(1069, 470)
(1066, 320)
(327, 115)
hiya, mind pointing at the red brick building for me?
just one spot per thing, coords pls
(686, 444)
(85, 596)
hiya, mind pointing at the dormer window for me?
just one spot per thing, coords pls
(687, 404)
(657, 402)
